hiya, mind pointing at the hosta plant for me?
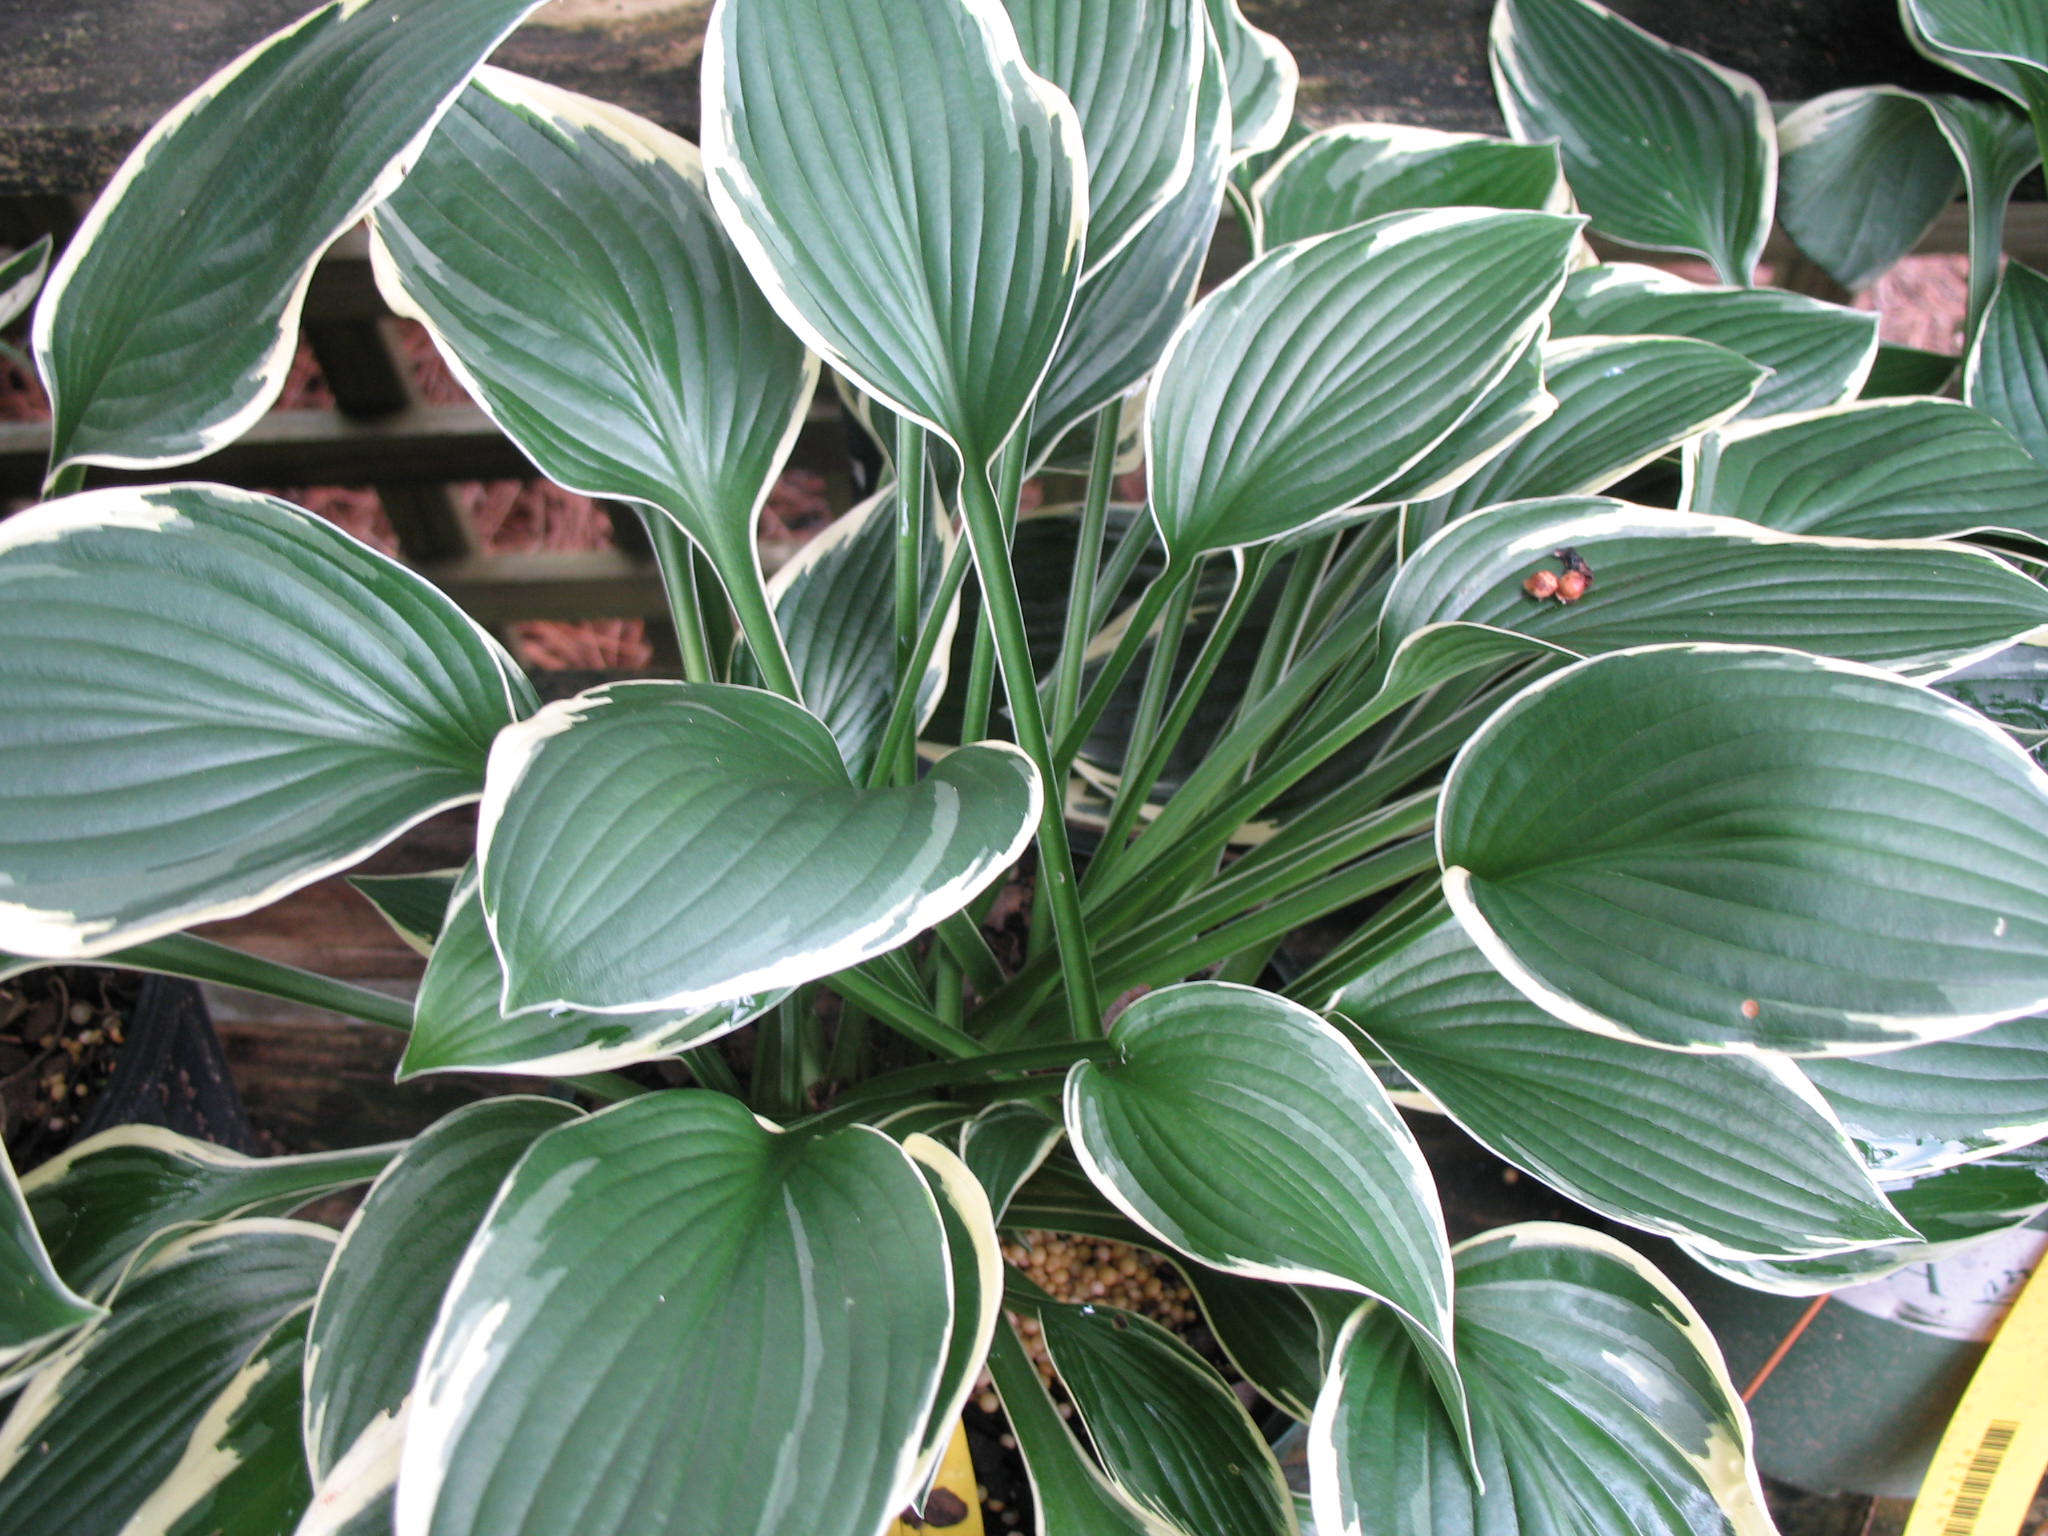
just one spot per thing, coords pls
(1627, 680)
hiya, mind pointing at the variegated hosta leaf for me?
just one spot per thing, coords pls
(1819, 354)
(414, 905)
(1621, 402)
(1131, 73)
(835, 606)
(1263, 80)
(1736, 1153)
(36, 1306)
(752, 860)
(1996, 147)
(1170, 1432)
(383, 1288)
(103, 1201)
(213, 698)
(1130, 306)
(168, 326)
(953, 181)
(750, 1324)
(242, 1472)
(1005, 1145)
(21, 278)
(108, 1418)
(1724, 847)
(1600, 1406)
(565, 256)
(1866, 172)
(1879, 469)
(1919, 608)
(460, 1025)
(2003, 43)
(1269, 1330)
(1663, 148)
(1325, 369)
(1952, 1208)
(1946, 1102)
(2007, 373)
(1240, 1129)
(1358, 171)
(1503, 416)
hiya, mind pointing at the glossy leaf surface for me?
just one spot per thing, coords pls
(1866, 172)
(1663, 148)
(758, 864)
(168, 326)
(1358, 171)
(1734, 847)
(275, 702)
(642, 1253)
(2007, 373)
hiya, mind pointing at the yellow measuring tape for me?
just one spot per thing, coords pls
(1995, 1449)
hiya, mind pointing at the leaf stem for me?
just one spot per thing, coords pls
(741, 574)
(900, 735)
(911, 483)
(675, 558)
(1087, 567)
(906, 1018)
(1140, 621)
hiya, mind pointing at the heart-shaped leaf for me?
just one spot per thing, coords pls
(1297, 389)
(168, 326)
(1735, 1153)
(1170, 1432)
(1357, 171)
(1720, 847)
(566, 259)
(106, 1421)
(1919, 608)
(1663, 148)
(1600, 1404)
(1819, 354)
(1866, 172)
(756, 862)
(1946, 1102)
(2007, 373)
(634, 1258)
(213, 698)
(1263, 80)
(459, 1023)
(1879, 469)
(953, 179)
(2003, 43)
(36, 1306)
(1240, 1129)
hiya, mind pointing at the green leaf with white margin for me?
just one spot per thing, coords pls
(755, 863)
(1622, 401)
(106, 1199)
(1951, 1101)
(1131, 72)
(108, 1418)
(242, 1473)
(1908, 371)
(36, 1306)
(21, 279)
(1954, 1209)
(1243, 1131)
(2006, 375)
(1263, 80)
(835, 604)
(1819, 354)
(952, 180)
(1866, 172)
(1737, 1154)
(1727, 847)
(383, 1288)
(1600, 1404)
(2003, 43)
(1129, 308)
(1170, 1432)
(1004, 1145)
(565, 256)
(975, 1255)
(1997, 148)
(171, 320)
(1666, 150)
(414, 905)
(637, 1255)
(1919, 608)
(1358, 171)
(1504, 416)
(1268, 1331)
(459, 1025)
(1322, 371)
(1877, 469)
(213, 698)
